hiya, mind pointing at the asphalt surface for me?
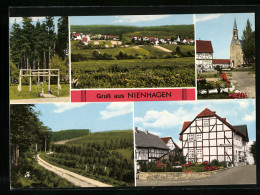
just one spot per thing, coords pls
(233, 176)
(244, 82)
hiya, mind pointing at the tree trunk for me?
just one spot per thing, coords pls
(49, 57)
(27, 62)
(44, 65)
(15, 155)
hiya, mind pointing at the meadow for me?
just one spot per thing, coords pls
(25, 94)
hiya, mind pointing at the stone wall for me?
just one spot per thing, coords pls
(175, 175)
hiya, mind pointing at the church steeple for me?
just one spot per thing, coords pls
(235, 25)
(235, 33)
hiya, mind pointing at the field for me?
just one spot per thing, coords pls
(162, 31)
(68, 134)
(173, 72)
(105, 156)
(183, 48)
(25, 94)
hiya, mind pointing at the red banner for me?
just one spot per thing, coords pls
(132, 95)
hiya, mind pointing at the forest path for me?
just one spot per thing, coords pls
(65, 141)
(74, 178)
(163, 49)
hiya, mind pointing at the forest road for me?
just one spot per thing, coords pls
(76, 179)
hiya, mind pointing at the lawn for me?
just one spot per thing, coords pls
(25, 94)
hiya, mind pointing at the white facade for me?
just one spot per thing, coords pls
(204, 61)
(221, 65)
(209, 138)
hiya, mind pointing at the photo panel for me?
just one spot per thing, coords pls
(195, 143)
(71, 145)
(39, 59)
(225, 55)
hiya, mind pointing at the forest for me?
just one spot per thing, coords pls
(105, 156)
(39, 45)
(68, 134)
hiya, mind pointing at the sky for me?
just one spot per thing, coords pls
(218, 29)
(165, 119)
(94, 116)
(34, 20)
(133, 20)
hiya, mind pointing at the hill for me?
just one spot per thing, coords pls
(162, 31)
(68, 134)
(105, 137)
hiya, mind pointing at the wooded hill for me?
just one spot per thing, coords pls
(185, 31)
(68, 134)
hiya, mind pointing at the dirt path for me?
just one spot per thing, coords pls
(163, 49)
(244, 82)
(41, 100)
(74, 178)
(65, 141)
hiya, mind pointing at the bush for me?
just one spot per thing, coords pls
(214, 162)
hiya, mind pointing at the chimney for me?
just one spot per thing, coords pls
(146, 131)
(136, 129)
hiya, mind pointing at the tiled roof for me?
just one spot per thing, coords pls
(221, 61)
(243, 130)
(206, 112)
(203, 46)
(166, 140)
(144, 139)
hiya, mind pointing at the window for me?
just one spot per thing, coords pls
(199, 153)
(199, 137)
(190, 137)
(191, 154)
(205, 123)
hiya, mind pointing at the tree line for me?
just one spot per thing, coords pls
(39, 46)
(68, 134)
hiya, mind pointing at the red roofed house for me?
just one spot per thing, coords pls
(204, 56)
(86, 40)
(210, 137)
(170, 143)
(222, 63)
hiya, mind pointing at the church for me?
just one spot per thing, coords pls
(236, 52)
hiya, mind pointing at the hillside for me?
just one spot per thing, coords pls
(68, 134)
(162, 31)
(105, 137)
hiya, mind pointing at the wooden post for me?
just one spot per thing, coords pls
(30, 87)
(59, 87)
(38, 73)
(20, 81)
(49, 85)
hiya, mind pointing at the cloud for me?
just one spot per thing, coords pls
(20, 19)
(249, 117)
(138, 18)
(62, 107)
(154, 133)
(116, 109)
(207, 17)
(164, 119)
(243, 104)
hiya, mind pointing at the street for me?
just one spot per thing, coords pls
(236, 175)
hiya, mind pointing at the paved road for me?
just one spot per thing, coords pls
(74, 178)
(244, 82)
(236, 175)
(41, 100)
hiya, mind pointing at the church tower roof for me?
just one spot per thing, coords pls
(235, 25)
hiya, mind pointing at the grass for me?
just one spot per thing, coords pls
(101, 137)
(184, 48)
(154, 51)
(105, 179)
(25, 94)
(126, 153)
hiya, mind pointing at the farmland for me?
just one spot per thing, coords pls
(105, 156)
(174, 72)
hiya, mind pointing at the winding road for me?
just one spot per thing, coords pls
(74, 178)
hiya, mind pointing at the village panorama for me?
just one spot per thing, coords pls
(118, 56)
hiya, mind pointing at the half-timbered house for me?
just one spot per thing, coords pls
(170, 143)
(204, 56)
(209, 137)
